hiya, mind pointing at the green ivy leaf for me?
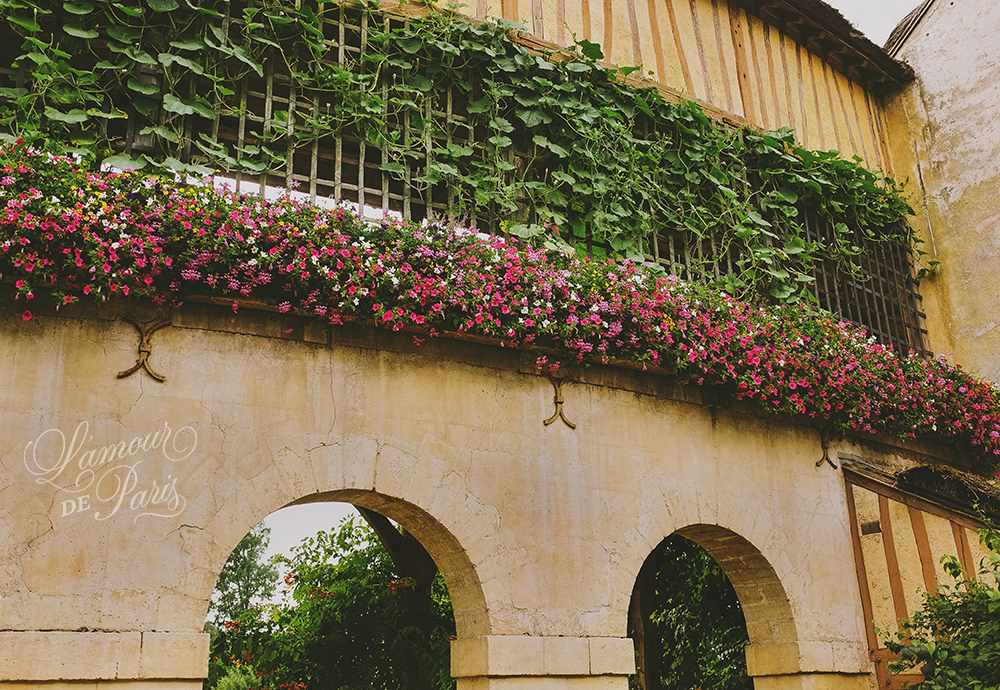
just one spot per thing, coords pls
(190, 44)
(133, 53)
(532, 118)
(130, 10)
(420, 83)
(411, 45)
(500, 124)
(39, 58)
(145, 89)
(105, 64)
(29, 24)
(591, 51)
(124, 34)
(163, 5)
(79, 7)
(482, 105)
(160, 131)
(525, 231)
(183, 106)
(79, 31)
(145, 106)
(244, 56)
(168, 59)
(72, 117)
(554, 148)
(113, 114)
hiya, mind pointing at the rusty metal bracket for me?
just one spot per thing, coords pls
(559, 400)
(146, 331)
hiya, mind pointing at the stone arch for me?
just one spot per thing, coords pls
(451, 559)
(762, 596)
(764, 603)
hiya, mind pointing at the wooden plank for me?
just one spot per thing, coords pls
(892, 562)
(609, 33)
(736, 17)
(963, 550)
(765, 122)
(838, 84)
(720, 43)
(810, 58)
(509, 9)
(585, 8)
(779, 112)
(783, 50)
(681, 57)
(923, 549)
(857, 123)
(833, 108)
(561, 22)
(706, 73)
(859, 566)
(537, 18)
(633, 22)
(804, 127)
(654, 25)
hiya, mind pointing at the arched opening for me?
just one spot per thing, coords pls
(701, 597)
(361, 603)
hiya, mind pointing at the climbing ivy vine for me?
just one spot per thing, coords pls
(555, 145)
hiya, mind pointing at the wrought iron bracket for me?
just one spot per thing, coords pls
(146, 331)
(559, 400)
(825, 442)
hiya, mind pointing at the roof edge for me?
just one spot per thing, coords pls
(824, 31)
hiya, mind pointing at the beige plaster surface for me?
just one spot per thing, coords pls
(945, 137)
(110, 545)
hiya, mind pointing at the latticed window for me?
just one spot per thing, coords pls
(278, 134)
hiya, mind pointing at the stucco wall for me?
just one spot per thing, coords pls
(946, 137)
(539, 530)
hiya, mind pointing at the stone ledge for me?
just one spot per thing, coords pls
(97, 656)
(528, 655)
(806, 657)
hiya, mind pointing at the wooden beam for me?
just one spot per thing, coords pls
(892, 563)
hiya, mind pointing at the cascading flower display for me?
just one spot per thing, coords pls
(89, 235)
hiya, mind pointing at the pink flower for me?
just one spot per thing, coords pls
(26, 316)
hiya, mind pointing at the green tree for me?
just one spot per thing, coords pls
(953, 638)
(694, 632)
(350, 619)
(244, 579)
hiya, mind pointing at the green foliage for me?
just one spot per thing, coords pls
(350, 622)
(238, 678)
(698, 621)
(244, 579)
(952, 638)
(549, 141)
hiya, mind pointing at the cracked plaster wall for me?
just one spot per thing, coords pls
(945, 138)
(539, 530)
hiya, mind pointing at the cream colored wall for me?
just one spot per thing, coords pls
(539, 530)
(700, 47)
(946, 138)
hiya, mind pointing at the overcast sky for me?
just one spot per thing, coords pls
(875, 18)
